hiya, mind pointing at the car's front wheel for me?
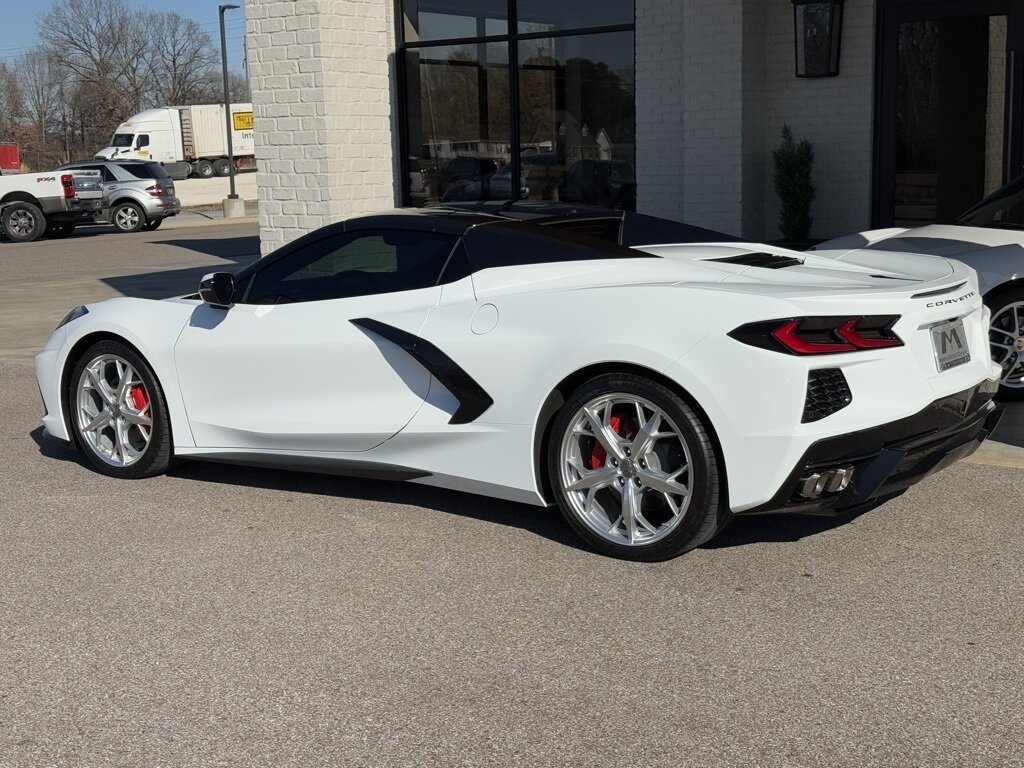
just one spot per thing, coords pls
(118, 412)
(634, 470)
(1006, 337)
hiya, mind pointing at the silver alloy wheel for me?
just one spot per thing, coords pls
(625, 469)
(1006, 337)
(114, 411)
(22, 222)
(127, 217)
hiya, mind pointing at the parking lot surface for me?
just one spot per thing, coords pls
(232, 617)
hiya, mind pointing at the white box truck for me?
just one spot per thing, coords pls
(186, 140)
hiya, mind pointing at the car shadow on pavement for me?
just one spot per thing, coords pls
(222, 247)
(541, 521)
(780, 528)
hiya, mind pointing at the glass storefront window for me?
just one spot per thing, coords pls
(554, 15)
(450, 19)
(458, 134)
(544, 112)
(577, 125)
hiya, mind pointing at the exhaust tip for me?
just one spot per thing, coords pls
(813, 485)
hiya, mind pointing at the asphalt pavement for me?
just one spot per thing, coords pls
(222, 616)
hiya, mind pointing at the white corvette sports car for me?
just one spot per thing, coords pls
(651, 390)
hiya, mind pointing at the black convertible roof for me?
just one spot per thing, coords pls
(620, 227)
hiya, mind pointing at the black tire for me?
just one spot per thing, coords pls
(707, 512)
(204, 169)
(127, 217)
(22, 222)
(157, 456)
(997, 301)
(59, 231)
(222, 167)
(149, 226)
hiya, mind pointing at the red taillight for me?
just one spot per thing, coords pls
(68, 182)
(155, 191)
(821, 335)
(789, 335)
(880, 338)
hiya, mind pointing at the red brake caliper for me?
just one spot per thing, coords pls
(598, 454)
(138, 397)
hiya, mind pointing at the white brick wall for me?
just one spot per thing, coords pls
(321, 75)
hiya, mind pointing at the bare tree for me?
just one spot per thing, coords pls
(10, 103)
(182, 57)
(38, 87)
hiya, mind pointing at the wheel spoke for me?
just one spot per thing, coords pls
(592, 479)
(664, 482)
(124, 380)
(630, 510)
(100, 386)
(603, 433)
(138, 419)
(101, 420)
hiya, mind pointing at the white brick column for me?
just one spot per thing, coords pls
(690, 111)
(322, 91)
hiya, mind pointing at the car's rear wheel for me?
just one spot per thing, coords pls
(1006, 337)
(634, 470)
(127, 217)
(222, 167)
(119, 413)
(22, 222)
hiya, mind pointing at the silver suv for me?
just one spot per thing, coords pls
(140, 194)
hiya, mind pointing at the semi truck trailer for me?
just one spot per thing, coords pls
(187, 141)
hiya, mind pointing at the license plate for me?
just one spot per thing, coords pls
(950, 344)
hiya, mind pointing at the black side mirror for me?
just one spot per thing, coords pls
(218, 289)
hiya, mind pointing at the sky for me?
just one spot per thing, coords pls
(19, 37)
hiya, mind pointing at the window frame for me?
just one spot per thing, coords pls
(512, 39)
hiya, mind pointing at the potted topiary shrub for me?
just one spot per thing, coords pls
(793, 164)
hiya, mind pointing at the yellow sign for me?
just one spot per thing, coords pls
(243, 121)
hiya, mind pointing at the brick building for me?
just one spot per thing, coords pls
(671, 106)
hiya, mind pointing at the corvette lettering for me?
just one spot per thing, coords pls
(944, 302)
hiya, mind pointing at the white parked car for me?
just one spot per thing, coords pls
(51, 203)
(990, 238)
(651, 390)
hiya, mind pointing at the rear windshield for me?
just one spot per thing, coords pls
(146, 170)
(122, 140)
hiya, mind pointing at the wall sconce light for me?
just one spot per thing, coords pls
(817, 33)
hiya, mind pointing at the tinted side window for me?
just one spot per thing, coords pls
(143, 140)
(138, 170)
(354, 264)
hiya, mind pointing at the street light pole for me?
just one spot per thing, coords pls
(227, 101)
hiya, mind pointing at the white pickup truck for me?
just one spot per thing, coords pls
(34, 204)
